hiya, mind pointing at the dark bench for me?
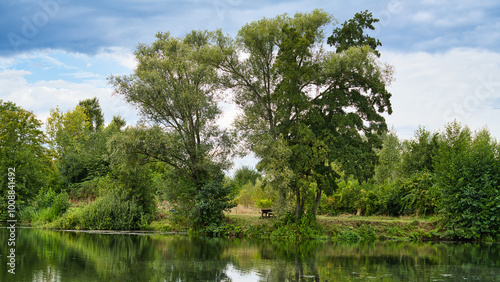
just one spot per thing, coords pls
(267, 213)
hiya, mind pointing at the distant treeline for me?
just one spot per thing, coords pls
(454, 173)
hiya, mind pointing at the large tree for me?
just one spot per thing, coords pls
(306, 108)
(22, 151)
(175, 91)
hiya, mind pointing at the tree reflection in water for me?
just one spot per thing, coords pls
(44, 255)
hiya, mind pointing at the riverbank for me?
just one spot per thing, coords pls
(250, 224)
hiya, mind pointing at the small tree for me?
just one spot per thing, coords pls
(79, 142)
(419, 153)
(468, 174)
(390, 161)
(213, 198)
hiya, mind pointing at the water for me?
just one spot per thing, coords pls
(44, 255)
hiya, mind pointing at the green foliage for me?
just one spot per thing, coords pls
(249, 188)
(93, 112)
(390, 160)
(249, 194)
(349, 236)
(47, 207)
(79, 141)
(87, 190)
(290, 230)
(110, 212)
(213, 198)
(175, 89)
(245, 175)
(352, 33)
(259, 231)
(367, 232)
(297, 100)
(419, 153)
(22, 148)
(130, 176)
(264, 203)
(417, 194)
(468, 174)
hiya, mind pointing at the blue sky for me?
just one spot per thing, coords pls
(446, 53)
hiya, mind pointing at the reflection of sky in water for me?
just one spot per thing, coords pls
(241, 276)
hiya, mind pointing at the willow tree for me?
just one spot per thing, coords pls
(175, 91)
(23, 152)
(307, 110)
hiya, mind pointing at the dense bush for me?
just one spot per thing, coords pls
(109, 212)
(213, 198)
(344, 200)
(47, 207)
(112, 213)
(306, 228)
(455, 174)
(468, 174)
(417, 194)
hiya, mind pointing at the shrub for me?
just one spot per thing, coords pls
(468, 173)
(106, 213)
(306, 228)
(112, 213)
(345, 200)
(47, 207)
(367, 232)
(213, 198)
(347, 236)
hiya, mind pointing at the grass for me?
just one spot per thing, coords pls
(385, 228)
(249, 220)
(394, 228)
(244, 210)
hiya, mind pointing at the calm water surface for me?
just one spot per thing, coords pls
(43, 255)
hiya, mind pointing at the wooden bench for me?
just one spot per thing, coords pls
(267, 213)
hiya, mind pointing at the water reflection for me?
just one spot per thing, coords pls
(43, 255)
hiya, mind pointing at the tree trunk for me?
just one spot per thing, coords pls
(297, 208)
(318, 201)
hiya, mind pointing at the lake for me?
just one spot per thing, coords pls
(46, 255)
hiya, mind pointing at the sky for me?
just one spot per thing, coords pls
(446, 54)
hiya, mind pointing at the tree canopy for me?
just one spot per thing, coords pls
(22, 148)
(176, 91)
(323, 107)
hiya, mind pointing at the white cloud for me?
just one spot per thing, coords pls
(423, 16)
(434, 89)
(43, 95)
(122, 56)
